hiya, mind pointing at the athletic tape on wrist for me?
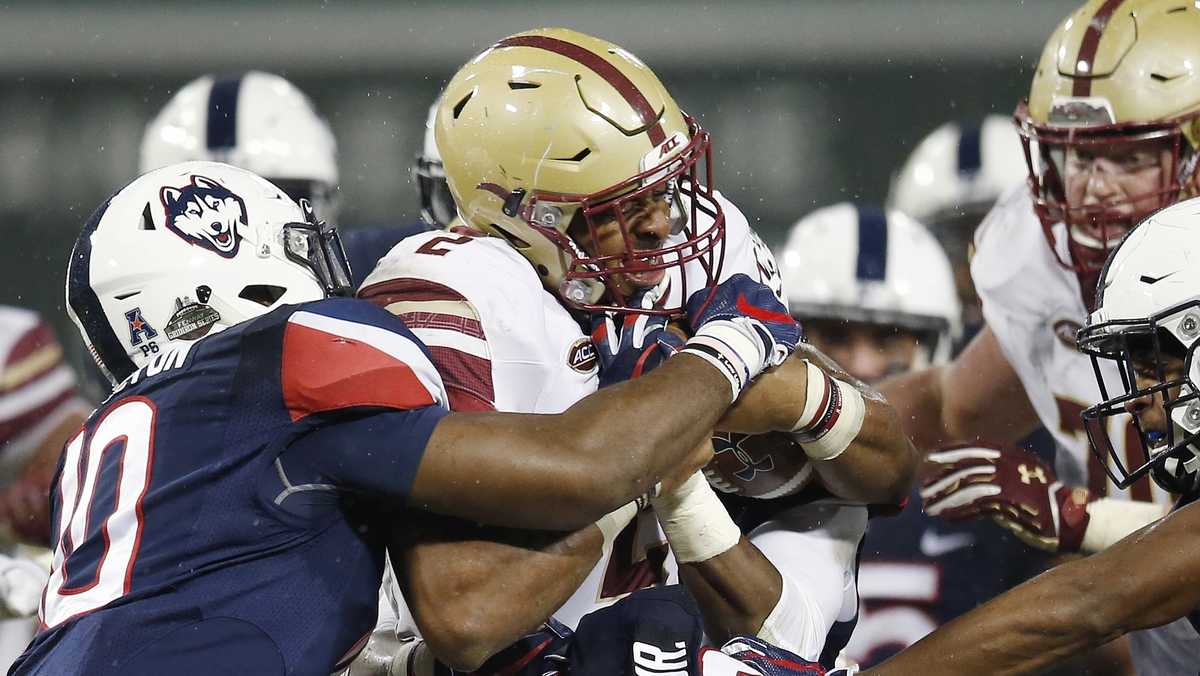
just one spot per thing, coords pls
(733, 348)
(614, 522)
(1111, 520)
(828, 427)
(695, 522)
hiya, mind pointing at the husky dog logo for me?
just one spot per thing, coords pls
(205, 213)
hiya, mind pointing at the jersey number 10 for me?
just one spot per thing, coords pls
(106, 473)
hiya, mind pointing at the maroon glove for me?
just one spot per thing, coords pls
(1014, 487)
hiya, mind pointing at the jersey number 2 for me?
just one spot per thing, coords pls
(92, 569)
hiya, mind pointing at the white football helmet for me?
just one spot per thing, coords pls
(958, 171)
(256, 121)
(190, 249)
(1148, 315)
(437, 204)
(862, 264)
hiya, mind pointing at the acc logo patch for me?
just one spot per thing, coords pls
(1065, 330)
(582, 356)
(205, 213)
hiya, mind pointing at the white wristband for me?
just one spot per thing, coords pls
(734, 347)
(614, 522)
(833, 415)
(695, 522)
(1111, 520)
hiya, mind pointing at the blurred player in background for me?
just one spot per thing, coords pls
(263, 123)
(1109, 131)
(602, 214)
(950, 181)
(875, 292)
(39, 410)
(437, 204)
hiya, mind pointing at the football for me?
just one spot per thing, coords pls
(762, 466)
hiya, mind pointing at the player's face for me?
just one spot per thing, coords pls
(1149, 409)
(649, 222)
(1123, 179)
(869, 352)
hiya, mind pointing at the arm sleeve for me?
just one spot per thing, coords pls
(377, 454)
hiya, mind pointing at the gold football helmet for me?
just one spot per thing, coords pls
(552, 130)
(1116, 73)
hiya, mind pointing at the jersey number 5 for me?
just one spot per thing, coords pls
(106, 473)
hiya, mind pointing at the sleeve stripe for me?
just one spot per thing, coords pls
(453, 339)
(36, 393)
(407, 289)
(392, 344)
(456, 308)
(465, 374)
(437, 320)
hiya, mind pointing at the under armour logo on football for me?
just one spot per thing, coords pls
(1027, 475)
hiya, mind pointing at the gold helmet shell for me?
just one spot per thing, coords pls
(1113, 72)
(551, 129)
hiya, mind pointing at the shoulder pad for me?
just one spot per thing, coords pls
(346, 353)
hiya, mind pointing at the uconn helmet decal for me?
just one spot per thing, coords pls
(206, 213)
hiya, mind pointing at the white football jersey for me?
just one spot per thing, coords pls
(1034, 307)
(502, 342)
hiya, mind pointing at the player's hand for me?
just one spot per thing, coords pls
(21, 583)
(750, 656)
(1014, 487)
(632, 344)
(743, 300)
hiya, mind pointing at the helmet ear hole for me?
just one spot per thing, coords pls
(263, 294)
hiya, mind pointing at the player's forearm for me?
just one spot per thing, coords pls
(880, 464)
(917, 399)
(1148, 579)
(1020, 632)
(606, 450)
(735, 590)
(474, 592)
(630, 435)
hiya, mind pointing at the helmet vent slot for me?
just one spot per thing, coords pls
(126, 296)
(263, 294)
(518, 84)
(147, 219)
(458, 107)
(577, 157)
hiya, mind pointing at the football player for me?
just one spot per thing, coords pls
(437, 204)
(263, 123)
(227, 508)
(1109, 136)
(40, 408)
(1146, 326)
(593, 187)
(950, 181)
(876, 292)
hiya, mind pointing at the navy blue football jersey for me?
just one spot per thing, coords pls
(225, 510)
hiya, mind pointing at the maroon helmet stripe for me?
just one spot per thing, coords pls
(1088, 47)
(629, 91)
